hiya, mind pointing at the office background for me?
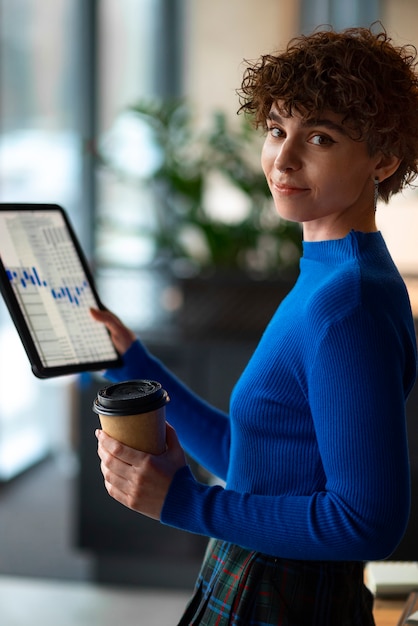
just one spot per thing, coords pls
(68, 71)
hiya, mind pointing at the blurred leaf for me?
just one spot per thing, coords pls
(188, 157)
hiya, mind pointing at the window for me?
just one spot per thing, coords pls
(137, 60)
(40, 161)
(67, 69)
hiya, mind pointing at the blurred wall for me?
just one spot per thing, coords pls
(399, 219)
(400, 17)
(219, 35)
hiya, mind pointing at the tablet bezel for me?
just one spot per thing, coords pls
(39, 369)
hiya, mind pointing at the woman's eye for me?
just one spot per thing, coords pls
(275, 132)
(321, 140)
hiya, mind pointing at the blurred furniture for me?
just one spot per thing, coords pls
(387, 612)
(395, 612)
(410, 607)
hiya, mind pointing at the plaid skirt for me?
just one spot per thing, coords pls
(237, 587)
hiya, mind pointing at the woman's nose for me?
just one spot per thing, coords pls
(287, 157)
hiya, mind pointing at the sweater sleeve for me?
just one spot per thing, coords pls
(356, 394)
(203, 430)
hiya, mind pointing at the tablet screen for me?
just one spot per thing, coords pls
(49, 290)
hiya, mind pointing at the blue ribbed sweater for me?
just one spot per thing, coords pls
(314, 449)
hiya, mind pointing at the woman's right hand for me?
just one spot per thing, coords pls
(121, 336)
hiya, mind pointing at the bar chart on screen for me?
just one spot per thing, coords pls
(56, 313)
(49, 282)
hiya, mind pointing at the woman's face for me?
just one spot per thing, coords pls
(318, 175)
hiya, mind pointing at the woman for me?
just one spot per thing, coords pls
(314, 450)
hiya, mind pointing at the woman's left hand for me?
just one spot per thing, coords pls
(138, 480)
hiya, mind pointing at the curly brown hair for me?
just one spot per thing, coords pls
(355, 73)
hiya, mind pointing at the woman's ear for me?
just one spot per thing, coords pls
(386, 166)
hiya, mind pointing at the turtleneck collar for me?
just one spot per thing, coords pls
(340, 250)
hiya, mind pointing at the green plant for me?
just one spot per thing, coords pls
(194, 231)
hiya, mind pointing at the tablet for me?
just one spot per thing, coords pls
(48, 289)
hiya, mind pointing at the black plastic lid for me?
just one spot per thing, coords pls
(130, 397)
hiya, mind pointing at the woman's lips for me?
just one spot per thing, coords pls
(287, 189)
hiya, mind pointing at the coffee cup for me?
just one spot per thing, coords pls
(133, 412)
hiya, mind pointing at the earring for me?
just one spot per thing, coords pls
(376, 192)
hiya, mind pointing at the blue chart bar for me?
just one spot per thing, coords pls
(28, 277)
(38, 280)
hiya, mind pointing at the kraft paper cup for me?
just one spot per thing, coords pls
(133, 412)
